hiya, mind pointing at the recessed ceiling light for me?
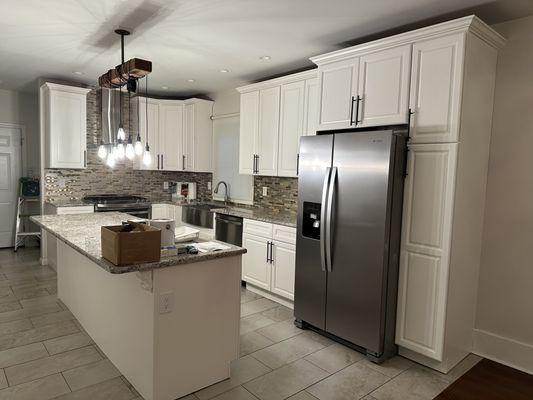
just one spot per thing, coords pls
(191, 80)
(164, 87)
(224, 71)
(77, 73)
(265, 58)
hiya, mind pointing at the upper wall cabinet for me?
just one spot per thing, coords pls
(274, 115)
(436, 80)
(180, 134)
(64, 122)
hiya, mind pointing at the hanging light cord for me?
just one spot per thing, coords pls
(146, 98)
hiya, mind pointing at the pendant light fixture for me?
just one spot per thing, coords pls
(147, 158)
(130, 152)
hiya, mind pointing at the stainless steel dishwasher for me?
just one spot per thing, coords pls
(228, 229)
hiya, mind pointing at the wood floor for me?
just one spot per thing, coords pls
(488, 380)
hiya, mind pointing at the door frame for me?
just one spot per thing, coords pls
(23, 155)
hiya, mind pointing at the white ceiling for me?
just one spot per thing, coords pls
(194, 39)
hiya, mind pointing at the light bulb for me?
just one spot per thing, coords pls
(138, 147)
(121, 135)
(147, 158)
(130, 152)
(120, 151)
(102, 152)
(111, 159)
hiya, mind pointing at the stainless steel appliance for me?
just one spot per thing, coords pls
(199, 214)
(228, 229)
(133, 205)
(350, 192)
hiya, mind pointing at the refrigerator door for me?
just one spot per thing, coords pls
(313, 179)
(358, 237)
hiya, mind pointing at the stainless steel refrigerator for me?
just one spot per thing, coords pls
(350, 192)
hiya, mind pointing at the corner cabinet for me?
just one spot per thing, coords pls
(274, 115)
(64, 122)
(180, 134)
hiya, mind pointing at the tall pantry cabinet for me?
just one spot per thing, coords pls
(440, 80)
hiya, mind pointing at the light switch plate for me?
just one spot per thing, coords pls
(209, 185)
(166, 302)
(165, 185)
(265, 190)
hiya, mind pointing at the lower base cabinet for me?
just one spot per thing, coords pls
(270, 261)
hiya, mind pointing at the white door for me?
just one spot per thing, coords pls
(337, 88)
(426, 235)
(435, 97)
(283, 267)
(384, 87)
(290, 127)
(311, 107)
(249, 125)
(267, 138)
(171, 136)
(10, 172)
(67, 130)
(255, 268)
(187, 160)
(149, 130)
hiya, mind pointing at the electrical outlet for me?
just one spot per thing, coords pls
(165, 185)
(209, 185)
(61, 183)
(265, 191)
(166, 302)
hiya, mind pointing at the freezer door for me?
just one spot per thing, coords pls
(359, 237)
(310, 282)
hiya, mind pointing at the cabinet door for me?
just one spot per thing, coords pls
(170, 136)
(338, 85)
(149, 115)
(255, 268)
(426, 232)
(187, 161)
(311, 107)
(436, 80)
(249, 125)
(283, 267)
(159, 211)
(202, 157)
(267, 138)
(290, 127)
(67, 130)
(384, 87)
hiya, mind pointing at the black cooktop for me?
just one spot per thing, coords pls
(113, 199)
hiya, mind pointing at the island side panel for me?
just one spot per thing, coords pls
(198, 339)
(114, 310)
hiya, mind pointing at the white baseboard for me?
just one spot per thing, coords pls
(504, 350)
(270, 296)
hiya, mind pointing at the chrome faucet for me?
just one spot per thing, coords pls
(226, 191)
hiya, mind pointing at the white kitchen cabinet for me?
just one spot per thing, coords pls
(274, 115)
(249, 117)
(149, 131)
(290, 127)
(384, 87)
(160, 211)
(435, 96)
(198, 136)
(256, 269)
(338, 88)
(283, 267)
(171, 136)
(64, 119)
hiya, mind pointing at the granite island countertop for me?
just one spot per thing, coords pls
(82, 233)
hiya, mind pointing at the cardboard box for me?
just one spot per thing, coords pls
(131, 243)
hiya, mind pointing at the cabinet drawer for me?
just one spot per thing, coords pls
(258, 228)
(74, 210)
(284, 234)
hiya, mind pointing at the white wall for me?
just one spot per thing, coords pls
(504, 319)
(21, 108)
(226, 148)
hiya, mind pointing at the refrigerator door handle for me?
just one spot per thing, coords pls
(323, 221)
(329, 216)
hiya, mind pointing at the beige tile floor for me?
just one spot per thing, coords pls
(45, 354)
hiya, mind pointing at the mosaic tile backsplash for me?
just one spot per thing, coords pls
(282, 193)
(66, 184)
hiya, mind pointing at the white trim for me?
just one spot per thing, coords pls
(223, 116)
(269, 295)
(470, 23)
(507, 351)
(282, 80)
(65, 88)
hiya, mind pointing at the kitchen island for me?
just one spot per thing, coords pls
(170, 327)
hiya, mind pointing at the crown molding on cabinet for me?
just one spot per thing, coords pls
(282, 80)
(65, 88)
(465, 24)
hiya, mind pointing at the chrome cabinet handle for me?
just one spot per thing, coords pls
(271, 252)
(268, 248)
(351, 111)
(359, 99)
(323, 221)
(331, 193)
(297, 164)
(183, 162)
(162, 164)
(85, 158)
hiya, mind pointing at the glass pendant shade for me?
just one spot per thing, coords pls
(110, 161)
(120, 151)
(102, 152)
(147, 157)
(138, 146)
(130, 152)
(121, 135)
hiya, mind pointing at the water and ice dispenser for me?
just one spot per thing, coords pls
(311, 220)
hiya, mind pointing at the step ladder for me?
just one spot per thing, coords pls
(22, 215)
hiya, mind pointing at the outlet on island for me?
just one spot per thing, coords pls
(166, 302)
(165, 185)
(265, 191)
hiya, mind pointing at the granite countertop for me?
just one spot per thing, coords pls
(82, 233)
(285, 218)
(67, 203)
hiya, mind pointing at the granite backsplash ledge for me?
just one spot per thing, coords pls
(98, 178)
(282, 193)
